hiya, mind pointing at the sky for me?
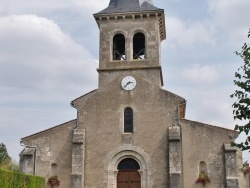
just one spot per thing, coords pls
(49, 55)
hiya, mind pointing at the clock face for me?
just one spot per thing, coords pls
(128, 83)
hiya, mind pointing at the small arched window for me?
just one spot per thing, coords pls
(203, 167)
(119, 47)
(139, 46)
(53, 169)
(128, 120)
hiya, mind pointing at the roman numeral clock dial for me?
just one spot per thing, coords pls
(128, 83)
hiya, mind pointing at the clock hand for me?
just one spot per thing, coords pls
(128, 83)
(125, 85)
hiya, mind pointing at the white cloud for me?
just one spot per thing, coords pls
(91, 6)
(34, 6)
(42, 70)
(232, 16)
(43, 55)
(216, 110)
(199, 75)
(185, 34)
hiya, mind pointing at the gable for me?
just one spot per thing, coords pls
(70, 124)
(143, 92)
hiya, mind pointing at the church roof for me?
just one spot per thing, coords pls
(122, 6)
(68, 123)
(231, 133)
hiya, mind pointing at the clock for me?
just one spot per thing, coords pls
(128, 83)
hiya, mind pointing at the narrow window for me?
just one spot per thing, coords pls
(119, 47)
(203, 167)
(53, 169)
(139, 46)
(203, 175)
(128, 120)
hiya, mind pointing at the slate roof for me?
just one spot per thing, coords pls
(122, 6)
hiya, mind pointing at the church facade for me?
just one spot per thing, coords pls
(131, 133)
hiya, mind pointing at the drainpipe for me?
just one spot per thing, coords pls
(27, 146)
(77, 114)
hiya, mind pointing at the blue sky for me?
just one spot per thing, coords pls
(49, 55)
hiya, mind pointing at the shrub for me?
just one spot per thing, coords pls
(10, 179)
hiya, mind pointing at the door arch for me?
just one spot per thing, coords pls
(115, 156)
(128, 175)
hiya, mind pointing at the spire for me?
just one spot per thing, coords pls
(122, 6)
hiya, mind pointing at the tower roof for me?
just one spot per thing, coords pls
(122, 6)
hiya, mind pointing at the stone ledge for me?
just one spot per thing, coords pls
(27, 152)
(174, 133)
(78, 136)
(232, 182)
(175, 180)
(229, 148)
(76, 180)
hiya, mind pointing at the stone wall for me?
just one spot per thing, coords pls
(203, 143)
(53, 154)
(149, 25)
(175, 156)
(101, 115)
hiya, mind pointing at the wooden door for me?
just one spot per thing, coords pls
(128, 179)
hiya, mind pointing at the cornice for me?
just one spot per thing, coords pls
(144, 15)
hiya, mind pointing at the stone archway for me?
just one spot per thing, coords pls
(121, 153)
(128, 174)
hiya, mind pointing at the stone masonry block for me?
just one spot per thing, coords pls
(232, 183)
(175, 180)
(79, 135)
(174, 133)
(175, 172)
(230, 166)
(76, 180)
(174, 157)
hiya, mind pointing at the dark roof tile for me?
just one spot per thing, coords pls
(122, 6)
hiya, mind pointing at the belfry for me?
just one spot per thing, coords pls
(130, 132)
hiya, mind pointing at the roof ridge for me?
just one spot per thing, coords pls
(54, 127)
(122, 6)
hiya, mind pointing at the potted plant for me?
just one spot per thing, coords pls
(203, 178)
(53, 181)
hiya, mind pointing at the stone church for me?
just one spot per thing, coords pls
(130, 132)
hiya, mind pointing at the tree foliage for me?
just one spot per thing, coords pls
(241, 107)
(5, 160)
(10, 179)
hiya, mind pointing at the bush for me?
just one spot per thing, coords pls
(10, 179)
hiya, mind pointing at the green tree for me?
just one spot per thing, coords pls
(241, 107)
(5, 159)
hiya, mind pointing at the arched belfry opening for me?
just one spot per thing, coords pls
(139, 46)
(119, 47)
(128, 175)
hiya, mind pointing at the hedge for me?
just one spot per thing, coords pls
(10, 179)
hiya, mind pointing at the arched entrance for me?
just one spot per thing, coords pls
(117, 155)
(128, 175)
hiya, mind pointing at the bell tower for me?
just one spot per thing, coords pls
(131, 32)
